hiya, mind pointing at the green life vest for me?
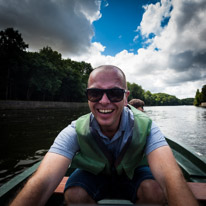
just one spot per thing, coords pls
(93, 157)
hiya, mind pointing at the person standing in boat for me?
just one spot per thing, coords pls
(138, 104)
(112, 148)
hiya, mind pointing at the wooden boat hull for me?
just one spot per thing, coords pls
(193, 167)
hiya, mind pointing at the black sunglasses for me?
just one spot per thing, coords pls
(114, 94)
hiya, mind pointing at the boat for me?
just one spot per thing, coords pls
(192, 165)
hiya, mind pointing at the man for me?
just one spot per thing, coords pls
(138, 104)
(108, 146)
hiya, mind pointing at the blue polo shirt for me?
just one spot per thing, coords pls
(66, 142)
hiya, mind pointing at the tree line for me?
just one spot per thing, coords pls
(46, 76)
(42, 75)
(156, 99)
(200, 97)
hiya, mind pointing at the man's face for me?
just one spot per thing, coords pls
(140, 108)
(107, 113)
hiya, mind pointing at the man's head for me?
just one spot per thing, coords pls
(107, 96)
(137, 103)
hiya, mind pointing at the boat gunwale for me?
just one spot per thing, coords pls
(188, 153)
(12, 185)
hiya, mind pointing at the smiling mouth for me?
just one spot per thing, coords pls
(105, 111)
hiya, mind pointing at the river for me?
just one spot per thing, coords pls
(26, 135)
(183, 124)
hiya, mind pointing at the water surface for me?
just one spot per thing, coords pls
(26, 135)
(184, 124)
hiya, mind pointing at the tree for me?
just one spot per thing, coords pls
(187, 101)
(197, 101)
(136, 91)
(74, 83)
(148, 98)
(42, 75)
(12, 50)
(203, 96)
(45, 77)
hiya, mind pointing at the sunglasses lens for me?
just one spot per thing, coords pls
(115, 95)
(94, 95)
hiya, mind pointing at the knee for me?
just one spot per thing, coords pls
(150, 192)
(75, 195)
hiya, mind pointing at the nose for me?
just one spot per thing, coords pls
(104, 99)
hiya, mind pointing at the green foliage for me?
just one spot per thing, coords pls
(197, 98)
(136, 91)
(203, 97)
(149, 98)
(11, 41)
(44, 75)
(53, 78)
(157, 99)
(187, 101)
(74, 82)
(12, 53)
(45, 78)
(200, 96)
(165, 99)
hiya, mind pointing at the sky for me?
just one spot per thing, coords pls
(159, 44)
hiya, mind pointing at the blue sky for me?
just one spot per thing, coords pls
(159, 44)
(117, 27)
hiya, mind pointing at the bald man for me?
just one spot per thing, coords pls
(118, 151)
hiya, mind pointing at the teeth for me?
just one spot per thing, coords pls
(105, 111)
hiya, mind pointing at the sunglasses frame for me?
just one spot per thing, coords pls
(103, 91)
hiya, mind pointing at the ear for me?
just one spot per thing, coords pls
(126, 97)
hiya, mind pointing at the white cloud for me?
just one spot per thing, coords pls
(174, 63)
(186, 29)
(153, 16)
(135, 38)
(178, 66)
(64, 25)
(90, 9)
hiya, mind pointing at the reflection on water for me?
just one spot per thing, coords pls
(26, 135)
(184, 124)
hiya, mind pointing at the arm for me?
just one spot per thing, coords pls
(168, 174)
(41, 185)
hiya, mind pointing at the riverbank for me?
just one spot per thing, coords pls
(10, 104)
(203, 104)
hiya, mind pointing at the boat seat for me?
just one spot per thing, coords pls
(60, 187)
(198, 189)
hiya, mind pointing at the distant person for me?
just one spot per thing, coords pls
(109, 147)
(138, 104)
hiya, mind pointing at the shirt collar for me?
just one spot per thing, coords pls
(123, 122)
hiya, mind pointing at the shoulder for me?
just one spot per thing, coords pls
(140, 117)
(83, 123)
(66, 143)
(70, 130)
(155, 139)
(84, 119)
(137, 112)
